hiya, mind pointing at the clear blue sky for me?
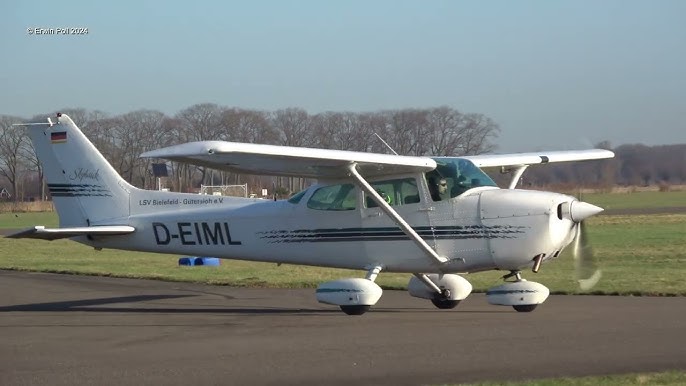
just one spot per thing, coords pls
(552, 74)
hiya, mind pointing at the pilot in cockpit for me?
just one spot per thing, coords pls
(438, 188)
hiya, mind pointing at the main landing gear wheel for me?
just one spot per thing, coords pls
(443, 300)
(445, 304)
(355, 310)
(525, 307)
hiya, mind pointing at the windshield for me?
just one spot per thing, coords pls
(454, 176)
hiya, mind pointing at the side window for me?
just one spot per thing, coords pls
(334, 197)
(395, 192)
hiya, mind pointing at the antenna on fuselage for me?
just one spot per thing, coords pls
(385, 143)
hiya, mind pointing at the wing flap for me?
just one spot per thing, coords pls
(289, 161)
(494, 160)
(43, 233)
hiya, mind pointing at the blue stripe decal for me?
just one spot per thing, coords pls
(78, 190)
(391, 234)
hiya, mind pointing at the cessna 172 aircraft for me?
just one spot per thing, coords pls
(435, 218)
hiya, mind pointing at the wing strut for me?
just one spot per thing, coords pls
(364, 185)
(516, 175)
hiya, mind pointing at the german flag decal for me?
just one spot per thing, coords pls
(58, 137)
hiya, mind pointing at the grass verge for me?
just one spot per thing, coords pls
(667, 378)
(639, 255)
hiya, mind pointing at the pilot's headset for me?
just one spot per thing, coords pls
(386, 197)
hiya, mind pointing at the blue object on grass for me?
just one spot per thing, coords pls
(191, 261)
(211, 261)
(186, 261)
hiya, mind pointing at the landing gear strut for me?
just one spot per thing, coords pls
(445, 291)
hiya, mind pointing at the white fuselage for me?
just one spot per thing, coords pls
(485, 228)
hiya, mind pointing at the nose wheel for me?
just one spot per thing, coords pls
(518, 278)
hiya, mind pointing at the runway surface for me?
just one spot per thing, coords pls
(74, 330)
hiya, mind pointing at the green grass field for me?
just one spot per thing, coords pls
(636, 200)
(668, 378)
(639, 254)
(643, 254)
(27, 219)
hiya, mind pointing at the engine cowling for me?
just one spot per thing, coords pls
(349, 292)
(459, 287)
(519, 293)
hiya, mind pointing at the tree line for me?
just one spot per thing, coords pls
(439, 131)
(122, 138)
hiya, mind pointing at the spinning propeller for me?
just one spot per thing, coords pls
(587, 272)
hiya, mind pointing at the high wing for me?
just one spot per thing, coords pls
(518, 162)
(517, 159)
(43, 233)
(289, 161)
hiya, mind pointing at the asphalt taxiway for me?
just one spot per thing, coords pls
(74, 330)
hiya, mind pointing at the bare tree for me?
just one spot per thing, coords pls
(295, 128)
(408, 131)
(444, 131)
(370, 125)
(336, 131)
(478, 132)
(198, 123)
(13, 143)
(138, 132)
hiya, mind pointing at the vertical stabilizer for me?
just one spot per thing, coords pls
(85, 188)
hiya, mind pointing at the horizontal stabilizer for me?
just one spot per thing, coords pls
(43, 233)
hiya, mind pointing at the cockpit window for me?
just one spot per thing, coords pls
(454, 176)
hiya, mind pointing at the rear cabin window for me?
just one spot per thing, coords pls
(396, 192)
(297, 197)
(334, 197)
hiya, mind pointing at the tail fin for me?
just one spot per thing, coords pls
(85, 188)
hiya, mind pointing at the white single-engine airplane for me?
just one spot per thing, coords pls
(432, 217)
